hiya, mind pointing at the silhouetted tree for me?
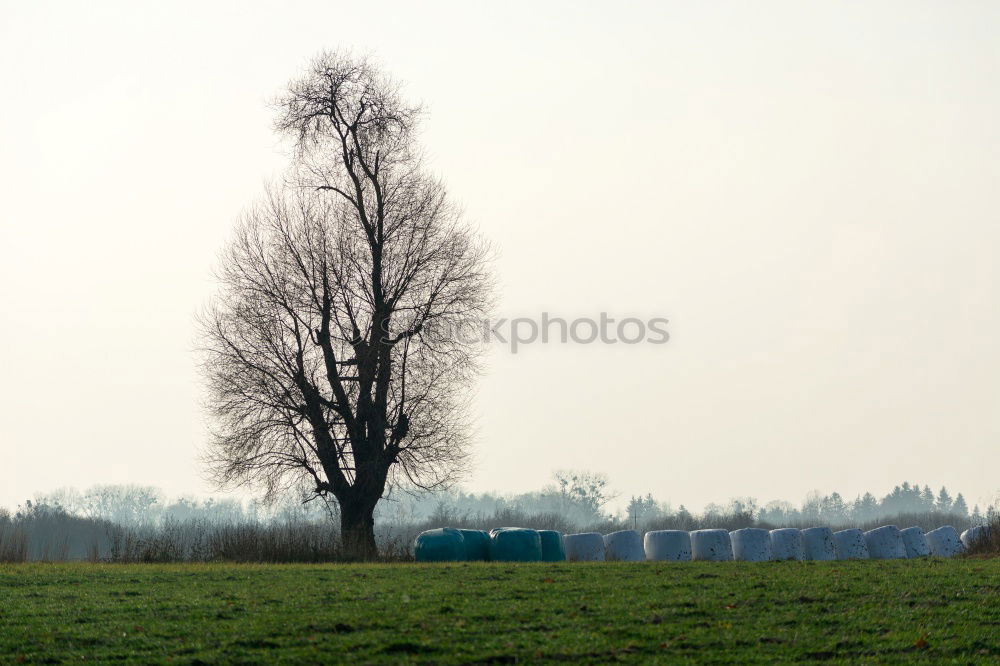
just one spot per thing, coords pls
(335, 350)
(744, 508)
(586, 489)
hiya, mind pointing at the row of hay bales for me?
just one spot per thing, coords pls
(517, 544)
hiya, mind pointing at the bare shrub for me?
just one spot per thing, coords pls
(13, 541)
(989, 545)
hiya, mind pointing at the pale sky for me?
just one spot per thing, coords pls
(809, 192)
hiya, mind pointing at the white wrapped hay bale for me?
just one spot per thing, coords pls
(944, 542)
(711, 546)
(751, 544)
(786, 544)
(885, 543)
(974, 535)
(818, 544)
(667, 546)
(586, 547)
(914, 542)
(623, 546)
(851, 545)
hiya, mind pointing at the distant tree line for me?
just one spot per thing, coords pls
(832, 509)
(905, 498)
(581, 498)
(129, 523)
(137, 505)
(578, 497)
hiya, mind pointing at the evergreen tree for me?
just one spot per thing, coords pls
(833, 510)
(684, 518)
(812, 506)
(976, 517)
(642, 508)
(864, 508)
(778, 513)
(944, 501)
(959, 506)
(927, 498)
(907, 498)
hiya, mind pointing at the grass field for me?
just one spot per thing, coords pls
(902, 611)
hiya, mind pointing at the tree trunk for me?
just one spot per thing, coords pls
(357, 531)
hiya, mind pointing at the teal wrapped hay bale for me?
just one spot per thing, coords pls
(515, 544)
(477, 545)
(553, 549)
(441, 545)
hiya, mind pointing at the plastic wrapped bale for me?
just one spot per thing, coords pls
(711, 546)
(914, 542)
(586, 547)
(553, 549)
(624, 546)
(818, 544)
(667, 546)
(944, 542)
(786, 544)
(974, 535)
(515, 544)
(851, 545)
(441, 545)
(477, 545)
(751, 544)
(885, 543)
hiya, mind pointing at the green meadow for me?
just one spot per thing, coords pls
(934, 611)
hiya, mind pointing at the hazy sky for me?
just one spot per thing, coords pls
(809, 193)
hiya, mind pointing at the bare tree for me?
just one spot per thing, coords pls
(588, 490)
(335, 351)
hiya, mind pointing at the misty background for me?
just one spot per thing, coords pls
(132, 523)
(808, 193)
